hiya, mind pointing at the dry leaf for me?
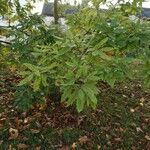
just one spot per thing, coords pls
(98, 147)
(117, 139)
(83, 139)
(22, 146)
(74, 145)
(132, 110)
(34, 131)
(124, 96)
(38, 148)
(64, 148)
(148, 146)
(147, 137)
(142, 99)
(13, 133)
(81, 119)
(133, 148)
(25, 120)
(121, 129)
(11, 148)
(1, 126)
(1, 141)
(138, 129)
(141, 104)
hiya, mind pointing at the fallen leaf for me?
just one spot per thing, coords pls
(121, 129)
(1, 126)
(25, 120)
(147, 137)
(22, 146)
(141, 104)
(13, 133)
(83, 139)
(148, 146)
(124, 96)
(64, 148)
(117, 139)
(34, 131)
(98, 147)
(142, 99)
(133, 148)
(10, 148)
(138, 129)
(81, 120)
(74, 145)
(132, 110)
(38, 148)
(1, 141)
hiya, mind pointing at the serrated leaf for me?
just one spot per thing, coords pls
(66, 94)
(36, 83)
(102, 55)
(72, 98)
(80, 101)
(90, 94)
(24, 73)
(33, 68)
(101, 43)
(44, 80)
(48, 68)
(26, 80)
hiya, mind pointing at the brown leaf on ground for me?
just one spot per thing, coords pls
(11, 148)
(138, 129)
(148, 146)
(142, 99)
(117, 139)
(38, 148)
(83, 139)
(1, 141)
(65, 148)
(13, 133)
(34, 131)
(74, 145)
(81, 119)
(22, 146)
(147, 137)
(98, 147)
(1, 126)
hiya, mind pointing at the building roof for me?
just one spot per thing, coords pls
(146, 12)
(48, 10)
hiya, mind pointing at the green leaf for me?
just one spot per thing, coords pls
(66, 94)
(90, 94)
(80, 100)
(36, 83)
(24, 73)
(44, 80)
(101, 54)
(48, 68)
(26, 80)
(101, 43)
(72, 98)
(33, 68)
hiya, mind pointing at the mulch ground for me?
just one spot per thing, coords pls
(120, 122)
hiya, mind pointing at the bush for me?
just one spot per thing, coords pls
(97, 46)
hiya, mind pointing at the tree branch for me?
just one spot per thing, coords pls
(5, 42)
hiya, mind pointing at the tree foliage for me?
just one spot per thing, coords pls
(96, 46)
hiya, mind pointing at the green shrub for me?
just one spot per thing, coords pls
(97, 46)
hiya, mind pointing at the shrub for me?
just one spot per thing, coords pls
(97, 46)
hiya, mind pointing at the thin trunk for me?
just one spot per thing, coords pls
(56, 11)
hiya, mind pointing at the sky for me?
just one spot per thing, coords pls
(39, 5)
